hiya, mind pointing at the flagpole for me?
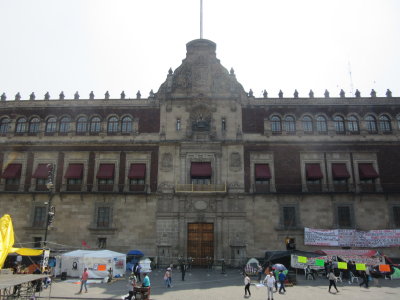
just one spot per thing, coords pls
(201, 19)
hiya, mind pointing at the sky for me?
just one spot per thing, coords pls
(115, 45)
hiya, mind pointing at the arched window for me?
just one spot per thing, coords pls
(290, 124)
(95, 125)
(322, 127)
(21, 125)
(126, 125)
(34, 125)
(65, 124)
(4, 125)
(51, 125)
(339, 125)
(384, 124)
(112, 125)
(352, 124)
(371, 124)
(307, 124)
(81, 125)
(276, 125)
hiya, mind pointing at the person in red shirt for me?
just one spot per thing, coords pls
(84, 279)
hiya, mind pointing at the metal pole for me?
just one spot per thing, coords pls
(201, 19)
(50, 209)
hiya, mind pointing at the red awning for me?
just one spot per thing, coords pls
(339, 171)
(42, 171)
(74, 171)
(106, 171)
(12, 171)
(200, 169)
(137, 171)
(367, 171)
(262, 171)
(313, 171)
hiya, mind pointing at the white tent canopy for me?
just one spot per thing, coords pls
(98, 263)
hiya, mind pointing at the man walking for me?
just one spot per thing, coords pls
(282, 278)
(364, 277)
(269, 282)
(332, 279)
(247, 282)
(84, 279)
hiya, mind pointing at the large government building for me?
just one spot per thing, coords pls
(201, 168)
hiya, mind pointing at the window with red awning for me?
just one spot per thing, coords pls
(339, 171)
(74, 171)
(313, 172)
(106, 171)
(12, 171)
(200, 169)
(41, 172)
(367, 171)
(137, 171)
(262, 171)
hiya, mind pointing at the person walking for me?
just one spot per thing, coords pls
(167, 277)
(332, 280)
(364, 277)
(282, 278)
(84, 279)
(131, 286)
(247, 282)
(259, 273)
(269, 282)
(146, 284)
(137, 270)
(183, 270)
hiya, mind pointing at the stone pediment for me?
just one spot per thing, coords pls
(201, 75)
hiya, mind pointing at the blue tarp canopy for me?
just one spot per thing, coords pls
(135, 252)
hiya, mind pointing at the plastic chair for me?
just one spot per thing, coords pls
(352, 278)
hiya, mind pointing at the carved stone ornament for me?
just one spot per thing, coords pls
(235, 162)
(166, 162)
(200, 205)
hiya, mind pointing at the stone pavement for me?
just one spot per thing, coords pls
(201, 284)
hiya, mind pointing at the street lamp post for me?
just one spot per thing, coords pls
(50, 208)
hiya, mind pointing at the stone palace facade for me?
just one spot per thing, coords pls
(200, 168)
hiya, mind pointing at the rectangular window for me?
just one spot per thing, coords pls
(74, 177)
(200, 172)
(396, 216)
(178, 124)
(103, 217)
(344, 217)
(12, 175)
(105, 177)
(37, 242)
(223, 124)
(39, 216)
(102, 243)
(289, 217)
(137, 177)
(262, 177)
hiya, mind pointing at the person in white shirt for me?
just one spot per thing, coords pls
(269, 282)
(247, 281)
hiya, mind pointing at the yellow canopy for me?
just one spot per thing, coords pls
(7, 241)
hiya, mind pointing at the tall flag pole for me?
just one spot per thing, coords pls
(201, 19)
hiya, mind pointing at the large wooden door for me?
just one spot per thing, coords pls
(200, 242)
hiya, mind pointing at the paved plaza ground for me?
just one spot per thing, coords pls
(202, 284)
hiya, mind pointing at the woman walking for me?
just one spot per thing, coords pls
(332, 279)
(246, 285)
(167, 278)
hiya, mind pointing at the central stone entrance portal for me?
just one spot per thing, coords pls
(200, 243)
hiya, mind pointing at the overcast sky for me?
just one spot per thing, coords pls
(115, 45)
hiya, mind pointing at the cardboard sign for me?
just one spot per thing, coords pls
(319, 262)
(384, 268)
(360, 267)
(302, 259)
(101, 268)
(342, 265)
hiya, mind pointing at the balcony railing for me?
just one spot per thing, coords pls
(200, 188)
